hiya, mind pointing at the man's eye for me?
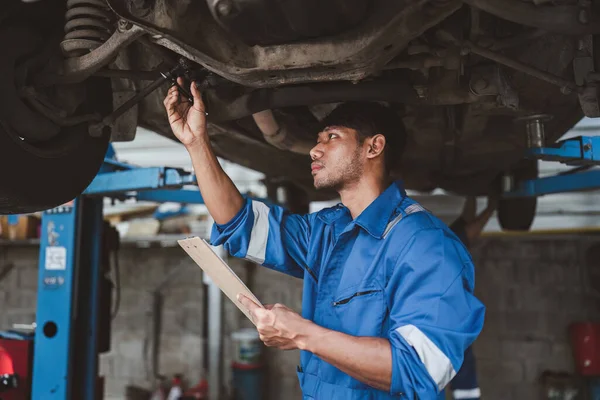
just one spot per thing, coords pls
(332, 135)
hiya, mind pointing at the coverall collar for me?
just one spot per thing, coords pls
(375, 218)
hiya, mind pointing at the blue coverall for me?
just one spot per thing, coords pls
(395, 272)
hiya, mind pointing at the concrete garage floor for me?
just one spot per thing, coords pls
(533, 287)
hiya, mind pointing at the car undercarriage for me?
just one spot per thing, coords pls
(467, 76)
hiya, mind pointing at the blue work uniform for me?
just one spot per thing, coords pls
(395, 272)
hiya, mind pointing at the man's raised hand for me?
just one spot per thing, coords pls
(187, 121)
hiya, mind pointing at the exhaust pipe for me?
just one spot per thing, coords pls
(280, 135)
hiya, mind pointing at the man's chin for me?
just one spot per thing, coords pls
(322, 184)
(318, 184)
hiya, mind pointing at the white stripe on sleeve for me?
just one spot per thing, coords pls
(413, 208)
(257, 247)
(437, 364)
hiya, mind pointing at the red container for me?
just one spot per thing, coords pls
(18, 353)
(585, 343)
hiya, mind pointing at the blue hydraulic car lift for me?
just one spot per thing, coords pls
(583, 152)
(71, 326)
(69, 332)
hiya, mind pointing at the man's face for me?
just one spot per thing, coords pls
(337, 158)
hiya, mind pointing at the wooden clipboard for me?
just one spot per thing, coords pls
(218, 270)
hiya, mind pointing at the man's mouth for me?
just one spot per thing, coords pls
(314, 168)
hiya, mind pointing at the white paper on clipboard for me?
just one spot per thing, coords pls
(218, 270)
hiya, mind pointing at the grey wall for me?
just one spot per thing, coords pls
(533, 288)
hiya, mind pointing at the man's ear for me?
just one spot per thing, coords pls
(376, 144)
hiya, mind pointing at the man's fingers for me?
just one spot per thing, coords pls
(170, 105)
(168, 97)
(172, 111)
(198, 103)
(272, 342)
(288, 346)
(172, 97)
(247, 303)
(269, 306)
(172, 89)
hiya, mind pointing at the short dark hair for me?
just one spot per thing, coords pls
(370, 119)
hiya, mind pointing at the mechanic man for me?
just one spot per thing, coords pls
(468, 228)
(388, 308)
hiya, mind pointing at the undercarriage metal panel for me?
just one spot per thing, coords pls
(349, 56)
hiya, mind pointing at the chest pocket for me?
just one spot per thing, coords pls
(360, 310)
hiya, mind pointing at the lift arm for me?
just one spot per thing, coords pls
(582, 151)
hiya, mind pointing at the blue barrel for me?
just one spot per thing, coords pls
(248, 381)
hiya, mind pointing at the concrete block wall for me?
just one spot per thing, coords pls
(533, 289)
(18, 289)
(143, 272)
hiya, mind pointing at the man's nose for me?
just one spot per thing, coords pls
(316, 152)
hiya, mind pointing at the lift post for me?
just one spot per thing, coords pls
(71, 323)
(66, 320)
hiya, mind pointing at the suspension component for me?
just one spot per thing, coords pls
(535, 129)
(181, 69)
(89, 23)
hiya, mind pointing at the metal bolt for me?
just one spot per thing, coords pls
(587, 147)
(124, 25)
(224, 8)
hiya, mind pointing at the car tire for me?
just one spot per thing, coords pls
(518, 214)
(40, 176)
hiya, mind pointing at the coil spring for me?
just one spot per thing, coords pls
(88, 25)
